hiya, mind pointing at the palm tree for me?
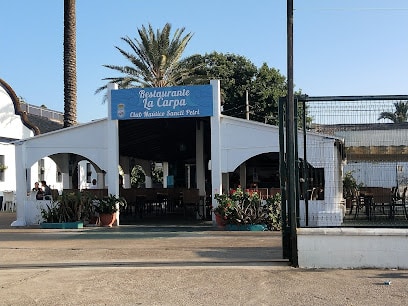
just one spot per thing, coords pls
(70, 87)
(400, 115)
(155, 60)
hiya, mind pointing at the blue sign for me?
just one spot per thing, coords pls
(162, 102)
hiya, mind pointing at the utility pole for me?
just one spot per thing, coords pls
(246, 105)
(290, 143)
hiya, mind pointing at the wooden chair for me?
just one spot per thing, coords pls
(383, 198)
(357, 203)
(399, 200)
(191, 201)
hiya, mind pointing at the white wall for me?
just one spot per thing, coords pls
(88, 140)
(378, 174)
(243, 139)
(9, 182)
(11, 125)
(352, 248)
(83, 184)
(389, 137)
(50, 174)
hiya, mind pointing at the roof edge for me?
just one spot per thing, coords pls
(17, 108)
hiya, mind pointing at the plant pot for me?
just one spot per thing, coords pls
(245, 227)
(349, 202)
(220, 221)
(62, 225)
(107, 220)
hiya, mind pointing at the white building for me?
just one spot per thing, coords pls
(16, 124)
(200, 141)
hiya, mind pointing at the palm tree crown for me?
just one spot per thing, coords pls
(155, 60)
(400, 115)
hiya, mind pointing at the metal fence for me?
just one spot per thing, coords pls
(374, 131)
(42, 111)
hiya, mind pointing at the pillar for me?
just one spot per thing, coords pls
(216, 179)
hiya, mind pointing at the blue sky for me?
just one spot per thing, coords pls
(341, 47)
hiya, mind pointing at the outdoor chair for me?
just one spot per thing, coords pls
(399, 200)
(382, 200)
(9, 203)
(313, 194)
(191, 201)
(357, 203)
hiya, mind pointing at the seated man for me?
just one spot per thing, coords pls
(40, 194)
(47, 190)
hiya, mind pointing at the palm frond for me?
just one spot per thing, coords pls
(155, 59)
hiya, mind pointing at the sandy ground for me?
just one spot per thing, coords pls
(174, 265)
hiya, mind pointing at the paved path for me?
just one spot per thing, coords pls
(174, 265)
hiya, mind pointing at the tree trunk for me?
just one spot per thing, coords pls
(70, 86)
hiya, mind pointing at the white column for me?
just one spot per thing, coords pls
(124, 163)
(148, 173)
(21, 185)
(200, 165)
(216, 179)
(225, 183)
(200, 162)
(100, 180)
(113, 150)
(165, 173)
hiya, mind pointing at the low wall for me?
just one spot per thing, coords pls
(321, 213)
(352, 248)
(33, 210)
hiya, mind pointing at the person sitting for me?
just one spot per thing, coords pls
(39, 193)
(36, 187)
(47, 190)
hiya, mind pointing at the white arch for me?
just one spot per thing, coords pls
(89, 140)
(86, 140)
(243, 139)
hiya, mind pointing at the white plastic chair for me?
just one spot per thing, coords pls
(9, 203)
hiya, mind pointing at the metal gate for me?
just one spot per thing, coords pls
(329, 113)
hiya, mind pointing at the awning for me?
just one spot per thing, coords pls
(377, 153)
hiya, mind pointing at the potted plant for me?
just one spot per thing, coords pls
(245, 211)
(223, 209)
(89, 214)
(350, 187)
(65, 212)
(107, 208)
(273, 209)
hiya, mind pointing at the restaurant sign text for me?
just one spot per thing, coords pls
(162, 102)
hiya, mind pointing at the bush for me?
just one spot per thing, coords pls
(247, 208)
(69, 207)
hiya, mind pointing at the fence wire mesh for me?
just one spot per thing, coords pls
(374, 133)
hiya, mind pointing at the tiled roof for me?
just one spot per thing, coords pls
(44, 124)
(7, 139)
(331, 129)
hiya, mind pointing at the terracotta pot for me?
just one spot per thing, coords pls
(220, 221)
(107, 219)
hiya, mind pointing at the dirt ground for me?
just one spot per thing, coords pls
(174, 265)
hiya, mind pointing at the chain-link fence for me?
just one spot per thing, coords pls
(373, 176)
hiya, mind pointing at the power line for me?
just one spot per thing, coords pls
(353, 9)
